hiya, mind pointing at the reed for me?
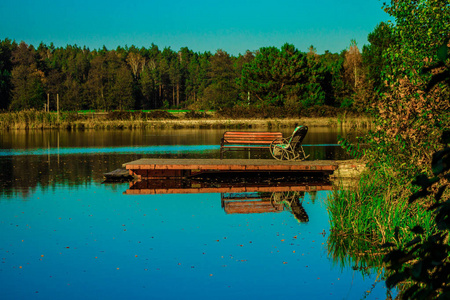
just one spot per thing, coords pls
(32, 119)
(376, 208)
(374, 212)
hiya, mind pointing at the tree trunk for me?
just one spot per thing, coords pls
(178, 94)
(173, 95)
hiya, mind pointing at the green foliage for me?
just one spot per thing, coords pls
(139, 115)
(149, 78)
(6, 48)
(275, 112)
(407, 63)
(353, 149)
(380, 40)
(110, 83)
(222, 90)
(424, 261)
(196, 115)
(411, 113)
(283, 76)
(27, 79)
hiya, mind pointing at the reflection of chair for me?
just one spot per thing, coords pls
(291, 147)
(291, 201)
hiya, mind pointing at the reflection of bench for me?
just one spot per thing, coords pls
(247, 140)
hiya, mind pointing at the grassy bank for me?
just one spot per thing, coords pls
(375, 208)
(163, 119)
(374, 212)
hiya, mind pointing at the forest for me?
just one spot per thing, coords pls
(401, 206)
(131, 78)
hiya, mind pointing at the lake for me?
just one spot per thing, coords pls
(66, 234)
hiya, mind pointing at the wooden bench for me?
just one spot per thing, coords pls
(247, 140)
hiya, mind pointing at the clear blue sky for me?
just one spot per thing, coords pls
(233, 26)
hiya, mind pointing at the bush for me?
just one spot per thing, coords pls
(196, 115)
(265, 112)
(139, 115)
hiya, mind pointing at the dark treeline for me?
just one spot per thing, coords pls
(150, 78)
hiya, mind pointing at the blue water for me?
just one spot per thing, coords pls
(165, 149)
(95, 242)
(65, 235)
(105, 150)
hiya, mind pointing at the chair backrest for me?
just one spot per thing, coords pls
(297, 136)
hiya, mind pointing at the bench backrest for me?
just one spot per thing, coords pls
(251, 137)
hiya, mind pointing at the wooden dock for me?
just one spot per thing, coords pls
(154, 168)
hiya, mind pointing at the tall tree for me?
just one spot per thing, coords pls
(166, 88)
(27, 79)
(360, 88)
(333, 82)
(121, 93)
(352, 65)
(196, 78)
(6, 49)
(136, 63)
(314, 93)
(150, 80)
(222, 90)
(275, 75)
(175, 75)
(96, 82)
(149, 86)
(373, 55)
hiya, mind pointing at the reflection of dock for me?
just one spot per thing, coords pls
(181, 168)
(240, 196)
(159, 186)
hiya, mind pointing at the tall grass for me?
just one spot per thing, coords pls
(29, 119)
(364, 218)
(373, 213)
(33, 119)
(376, 208)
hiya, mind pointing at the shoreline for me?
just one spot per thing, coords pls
(213, 123)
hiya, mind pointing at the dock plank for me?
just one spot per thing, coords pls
(153, 167)
(230, 164)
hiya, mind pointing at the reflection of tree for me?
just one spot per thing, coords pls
(23, 174)
(291, 202)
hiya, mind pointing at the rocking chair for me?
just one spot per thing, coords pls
(290, 148)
